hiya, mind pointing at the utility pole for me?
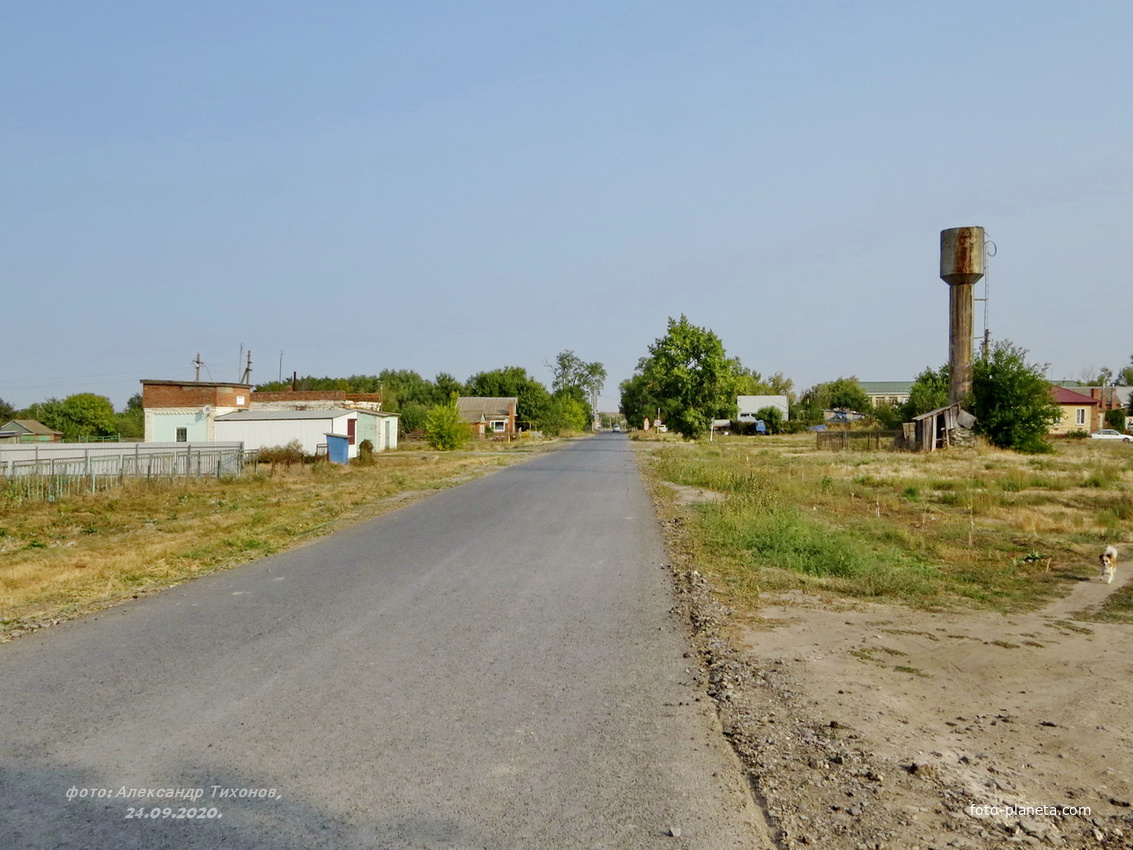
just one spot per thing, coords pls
(198, 364)
(247, 369)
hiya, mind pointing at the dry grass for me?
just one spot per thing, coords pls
(978, 527)
(87, 552)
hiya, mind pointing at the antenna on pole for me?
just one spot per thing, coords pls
(197, 362)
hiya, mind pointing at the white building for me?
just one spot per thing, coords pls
(185, 411)
(750, 405)
(259, 429)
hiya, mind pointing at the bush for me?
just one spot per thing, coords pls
(444, 429)
(365, 453)
(1115, 419)
(287, 455)
(772, 418)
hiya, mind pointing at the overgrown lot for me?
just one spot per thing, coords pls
(87, 552)
(975, 528)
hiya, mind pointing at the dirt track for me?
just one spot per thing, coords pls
(874, 726)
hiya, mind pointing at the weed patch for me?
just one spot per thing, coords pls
(928, 530)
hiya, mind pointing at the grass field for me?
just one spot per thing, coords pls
(78, 554)
(976, 527)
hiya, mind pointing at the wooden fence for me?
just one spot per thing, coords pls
(859, 441)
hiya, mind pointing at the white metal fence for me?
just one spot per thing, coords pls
(54, 470)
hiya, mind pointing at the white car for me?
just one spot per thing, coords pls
(1110, 434)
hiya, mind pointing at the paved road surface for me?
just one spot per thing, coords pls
(495, 666)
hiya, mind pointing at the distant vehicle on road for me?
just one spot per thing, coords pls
(1110, 434)
(617, 428)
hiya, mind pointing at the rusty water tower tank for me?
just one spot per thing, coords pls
(962, 258)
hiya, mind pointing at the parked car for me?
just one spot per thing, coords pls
(1110, 434)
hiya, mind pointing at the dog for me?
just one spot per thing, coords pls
(1108, 560)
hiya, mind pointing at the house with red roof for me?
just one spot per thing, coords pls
(1079, 412)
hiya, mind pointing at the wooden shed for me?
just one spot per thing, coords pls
(942, 428)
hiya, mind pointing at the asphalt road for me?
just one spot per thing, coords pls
(495, 666)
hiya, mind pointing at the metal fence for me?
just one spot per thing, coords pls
(52, 477)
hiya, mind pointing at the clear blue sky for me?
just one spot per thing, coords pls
(462, 186)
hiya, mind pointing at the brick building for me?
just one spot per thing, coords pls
(186, 411)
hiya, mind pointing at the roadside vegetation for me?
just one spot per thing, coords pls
(82, 553)
(980, 528)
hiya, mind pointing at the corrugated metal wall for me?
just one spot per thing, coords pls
(261, 433)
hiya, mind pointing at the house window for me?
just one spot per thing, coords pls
(1080, 416)
(498, 425)
(182, 435)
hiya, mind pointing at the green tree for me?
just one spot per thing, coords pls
(445, 386)
(1116, 419)
(638, 399)
(571, 372)
(1124, 377)
(888, 415)
(772, 418)
(844, 394)
(444, 429)
(79, 416)
(566, 412)
(691, 378)
(7, 412)
(1011, 400)
(928, 392)
(131, 422)
(534, 401)
(750, 382)
(412, 416)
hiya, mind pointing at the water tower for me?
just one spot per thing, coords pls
(962, 255)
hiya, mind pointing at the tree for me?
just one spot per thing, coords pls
(842, 394)
(638, 399)
(79, 416)
(444, 429)
(690, 377)
(890, 416)
(533, 399)
(571, 372)
(772, 419)
(1125, 375)
(566, 412)
(446, 386)
(7, 412)
(1012, 401)
(131, 422)
(928, 392)
(751, 382)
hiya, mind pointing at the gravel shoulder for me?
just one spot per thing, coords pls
(877, 726)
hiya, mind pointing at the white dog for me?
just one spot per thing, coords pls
(1108, 560)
